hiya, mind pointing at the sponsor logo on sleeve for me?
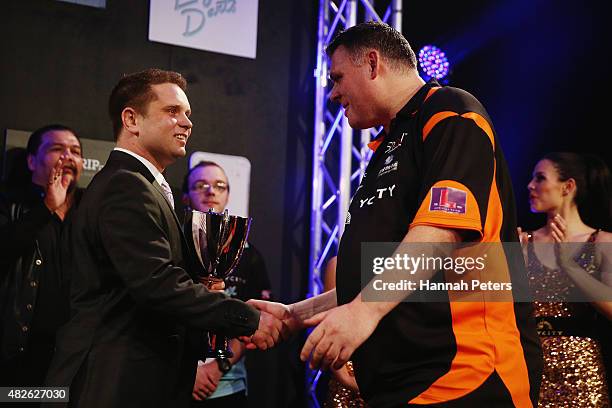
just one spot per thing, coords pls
(448, 199)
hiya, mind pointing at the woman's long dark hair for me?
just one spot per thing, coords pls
(593, 185)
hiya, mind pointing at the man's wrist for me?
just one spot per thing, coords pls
(294, 320)
(224, 365)
(292, 312)
(374, 310)
(307, 308)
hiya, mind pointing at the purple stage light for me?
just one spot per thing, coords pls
(433, 62)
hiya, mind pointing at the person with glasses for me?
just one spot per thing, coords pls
(205, 187)
(223, 382)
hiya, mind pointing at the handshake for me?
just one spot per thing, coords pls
(277, 322)
(340, 329)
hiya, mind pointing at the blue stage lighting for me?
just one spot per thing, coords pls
(433, 62)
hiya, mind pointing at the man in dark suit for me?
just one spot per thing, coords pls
(132, 338)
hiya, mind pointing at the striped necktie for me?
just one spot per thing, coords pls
(168, 193)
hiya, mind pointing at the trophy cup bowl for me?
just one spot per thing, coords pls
(218, 240)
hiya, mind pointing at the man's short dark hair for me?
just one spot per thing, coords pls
(380, 36)
(35, 139)
(203, 163)
(134, 90)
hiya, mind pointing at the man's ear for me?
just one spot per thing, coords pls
(31, 162)
(129, 117)
(373, 61)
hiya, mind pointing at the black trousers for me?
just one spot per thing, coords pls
(491, 394)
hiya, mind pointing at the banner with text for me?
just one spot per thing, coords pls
(224, 26)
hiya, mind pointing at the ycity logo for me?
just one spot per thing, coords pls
(197, 11)
(381, 193)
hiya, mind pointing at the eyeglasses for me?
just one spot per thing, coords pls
(219, 187)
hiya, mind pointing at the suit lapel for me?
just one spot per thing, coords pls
(162, 196)
(123, 160)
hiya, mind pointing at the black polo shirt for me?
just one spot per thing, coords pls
(250, 278)
(440, 165)
(37, 302)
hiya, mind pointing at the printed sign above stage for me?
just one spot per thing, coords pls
(224, 26)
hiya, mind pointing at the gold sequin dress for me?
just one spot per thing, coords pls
(339, 396)
(574, 374)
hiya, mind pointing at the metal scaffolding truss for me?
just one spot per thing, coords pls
(340, 154)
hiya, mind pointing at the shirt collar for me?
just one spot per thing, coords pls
(414, 104)
(375, 144)
(159, 177)
(37, 191)
(411, 107)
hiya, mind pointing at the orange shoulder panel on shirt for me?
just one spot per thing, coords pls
(483, 124)
(431, 92)
(480, 121)
(434, 120)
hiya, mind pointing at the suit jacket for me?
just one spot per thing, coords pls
(135, 308)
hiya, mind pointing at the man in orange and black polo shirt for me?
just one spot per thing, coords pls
(437, 175)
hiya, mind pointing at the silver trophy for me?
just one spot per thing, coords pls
(218, 240)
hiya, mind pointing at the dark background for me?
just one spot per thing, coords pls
(540, 67)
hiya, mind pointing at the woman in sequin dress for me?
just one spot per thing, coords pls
(574, 193)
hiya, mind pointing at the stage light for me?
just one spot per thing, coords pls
(433, 62)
